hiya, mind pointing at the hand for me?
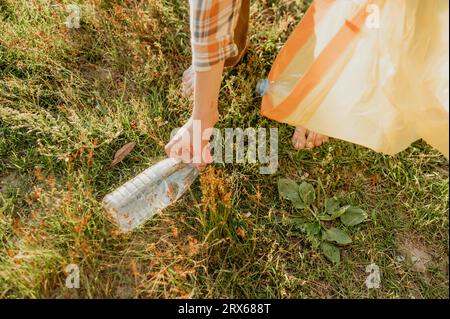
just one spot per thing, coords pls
(191, 143)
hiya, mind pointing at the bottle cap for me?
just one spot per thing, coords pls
(262, 87)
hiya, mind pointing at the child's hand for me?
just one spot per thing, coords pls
(191, 143)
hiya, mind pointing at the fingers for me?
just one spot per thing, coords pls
(168, 148)
(299, 138)
(185, 154)
(176, 149)
(173, 149)
(179, 152)
(184, 151)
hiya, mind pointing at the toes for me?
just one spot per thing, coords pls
(187, 74)
(184, 90)
(299, 138)
(188, 82)
(304, 138)
(188, 88)
(318, 140)
(310, 140)
(321, 139)
(189, 92)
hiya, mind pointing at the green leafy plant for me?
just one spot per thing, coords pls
(328, 240)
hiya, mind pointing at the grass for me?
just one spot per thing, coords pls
(70, 98)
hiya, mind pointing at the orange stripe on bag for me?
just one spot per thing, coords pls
(318, 69)
(299, 37)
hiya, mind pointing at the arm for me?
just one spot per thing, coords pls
(206, 95)
(212, 41)
(190, 144)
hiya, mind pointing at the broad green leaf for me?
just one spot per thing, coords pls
(338, 213)
(325, 217)
(307, 193)
(353, 216)
(336, 235)
(331, 252)
(331, 205)
(311, 229)
(341, 211)
(297, 223)
(289, 189)
(298, 203)
(314, 241)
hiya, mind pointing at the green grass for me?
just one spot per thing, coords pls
(70, 98)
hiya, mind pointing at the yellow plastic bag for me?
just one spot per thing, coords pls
(371, 72)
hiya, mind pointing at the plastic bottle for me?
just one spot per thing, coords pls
(154, 189)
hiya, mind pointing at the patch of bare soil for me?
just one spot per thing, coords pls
(9, 181)
(415, 253)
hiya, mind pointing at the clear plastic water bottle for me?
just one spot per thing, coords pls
(154, 189)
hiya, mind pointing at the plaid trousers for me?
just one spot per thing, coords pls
(218, 32)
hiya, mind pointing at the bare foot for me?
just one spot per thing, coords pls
(188, 82)
(303, 138)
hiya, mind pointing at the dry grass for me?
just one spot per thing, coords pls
(70, 98)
